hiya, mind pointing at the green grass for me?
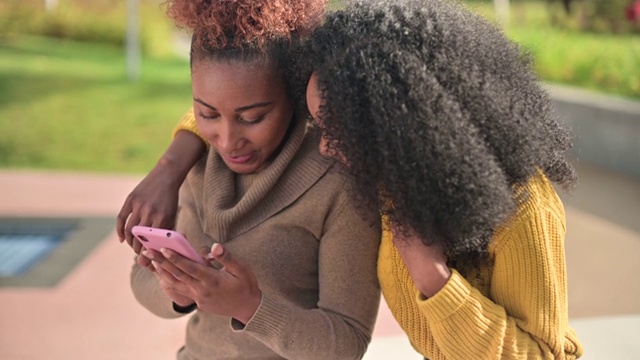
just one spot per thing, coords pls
(611, 64)
(607, 63)
(68, 105)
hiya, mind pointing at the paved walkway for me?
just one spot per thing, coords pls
(91, 313)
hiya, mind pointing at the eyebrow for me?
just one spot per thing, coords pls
(238, 109)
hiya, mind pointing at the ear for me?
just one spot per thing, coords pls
(314, 98)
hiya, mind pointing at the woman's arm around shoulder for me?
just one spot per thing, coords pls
(154, 201)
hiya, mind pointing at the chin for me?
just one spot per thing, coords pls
(243, 169)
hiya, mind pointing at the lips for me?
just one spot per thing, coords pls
(241, 159)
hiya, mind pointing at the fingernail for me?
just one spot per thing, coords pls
(147, 254)
(217, 249)
(164, 252)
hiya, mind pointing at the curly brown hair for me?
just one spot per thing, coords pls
(218, 23)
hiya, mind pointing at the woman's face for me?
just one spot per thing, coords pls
(314, 99)
(242, 109)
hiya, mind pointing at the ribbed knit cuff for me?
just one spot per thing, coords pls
(446, 301)
(188, 123)
(269, 321)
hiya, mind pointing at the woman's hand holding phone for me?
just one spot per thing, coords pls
(150, 260)
(231, 291)
(155, 239)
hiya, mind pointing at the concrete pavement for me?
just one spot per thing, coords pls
(91, 313)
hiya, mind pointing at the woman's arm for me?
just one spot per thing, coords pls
(154, 200)
(525, 313)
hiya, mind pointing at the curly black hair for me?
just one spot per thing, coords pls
(439, 116)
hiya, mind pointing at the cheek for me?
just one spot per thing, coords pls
(314, 107)
(313, 102)
(269, 137)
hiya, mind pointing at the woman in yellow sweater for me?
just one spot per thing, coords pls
(445, 128)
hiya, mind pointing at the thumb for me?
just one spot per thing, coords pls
(228, 261)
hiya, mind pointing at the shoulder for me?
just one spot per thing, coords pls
(539, 208)
(539, 196)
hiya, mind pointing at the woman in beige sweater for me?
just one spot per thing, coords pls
(298, 259)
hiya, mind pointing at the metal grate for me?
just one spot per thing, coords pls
(23, 245)
(18, 253)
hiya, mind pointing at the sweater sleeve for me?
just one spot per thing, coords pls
(188, 123)
(524, 314)
(349, 297)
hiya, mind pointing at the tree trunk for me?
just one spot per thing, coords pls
(502, 12)
(133, 40)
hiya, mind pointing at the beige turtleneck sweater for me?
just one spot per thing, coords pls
(313, 254)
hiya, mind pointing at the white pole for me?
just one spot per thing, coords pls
(502, 11)
(50, 5)
(133, 40)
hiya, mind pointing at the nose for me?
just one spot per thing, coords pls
(225, 137)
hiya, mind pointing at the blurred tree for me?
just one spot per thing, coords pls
(102, 21)
(600, 16)
(632, 12)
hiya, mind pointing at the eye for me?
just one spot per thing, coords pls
(252, 121)
(208, 116)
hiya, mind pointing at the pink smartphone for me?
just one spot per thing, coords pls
(156, 239)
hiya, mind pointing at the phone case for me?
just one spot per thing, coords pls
(155, 239)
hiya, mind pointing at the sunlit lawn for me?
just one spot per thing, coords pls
(68, 105)
(608, 63)
(612, 64)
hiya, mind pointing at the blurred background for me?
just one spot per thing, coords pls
(90, 91)
(66, 84)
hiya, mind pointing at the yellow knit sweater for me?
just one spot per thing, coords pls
(188, 123)
(514, 309)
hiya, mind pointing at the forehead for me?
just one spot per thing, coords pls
(239, 79)
(234, 71)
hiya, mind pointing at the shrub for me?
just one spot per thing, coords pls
(88, 20)
(600, 16)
